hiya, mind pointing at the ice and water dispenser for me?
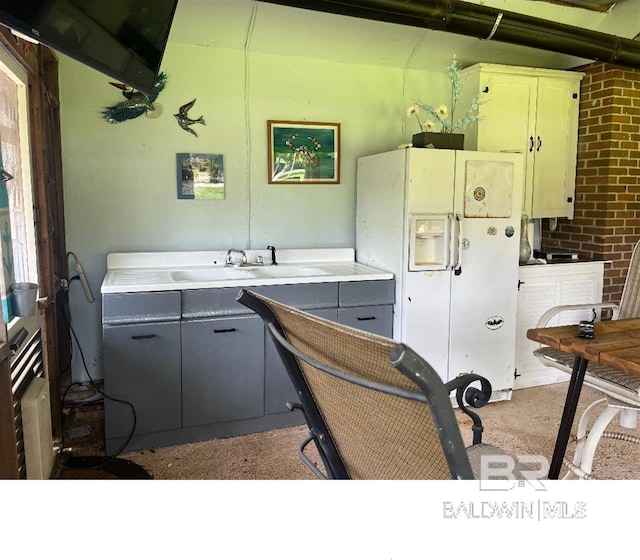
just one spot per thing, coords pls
(430, 245)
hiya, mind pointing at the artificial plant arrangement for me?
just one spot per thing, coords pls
(441, 118)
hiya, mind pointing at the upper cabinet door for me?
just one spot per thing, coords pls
(508, 124)
(555, 148)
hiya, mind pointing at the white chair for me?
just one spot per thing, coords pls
(621, 390)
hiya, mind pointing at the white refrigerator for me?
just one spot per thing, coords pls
(447, 224)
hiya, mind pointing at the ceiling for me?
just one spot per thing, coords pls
(597, 5)
(273, 29)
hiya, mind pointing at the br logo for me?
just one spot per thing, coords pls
(503, 472)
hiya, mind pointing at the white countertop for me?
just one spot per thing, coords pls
(161, 271)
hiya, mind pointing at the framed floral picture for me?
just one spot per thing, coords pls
(303, 152)
(200, 176)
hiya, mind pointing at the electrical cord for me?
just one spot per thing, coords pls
(80, 462)
(93, 384)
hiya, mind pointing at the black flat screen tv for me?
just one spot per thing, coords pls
(124, 39)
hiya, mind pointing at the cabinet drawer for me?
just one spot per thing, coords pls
(303, 296)
(367, 292)
(220, 302)
(213, 302)
(375, 319)
(141, 307)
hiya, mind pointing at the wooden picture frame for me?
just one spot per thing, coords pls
(303, 152)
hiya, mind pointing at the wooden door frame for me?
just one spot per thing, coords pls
(41, 65)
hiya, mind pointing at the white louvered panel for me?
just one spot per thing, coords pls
(577, 290)
(541, 288)
(533, 301)
(534, 297)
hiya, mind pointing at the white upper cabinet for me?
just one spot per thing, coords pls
(533, 111)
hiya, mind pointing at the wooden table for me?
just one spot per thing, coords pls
(615, 344)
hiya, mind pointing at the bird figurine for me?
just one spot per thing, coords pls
(183, 119)
(136, 103)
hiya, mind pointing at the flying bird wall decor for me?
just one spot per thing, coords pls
(135, 103)
(184, 121)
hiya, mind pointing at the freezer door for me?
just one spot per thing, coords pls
(426, 305)
(430, 180)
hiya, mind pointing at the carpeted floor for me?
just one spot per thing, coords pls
(525, 425)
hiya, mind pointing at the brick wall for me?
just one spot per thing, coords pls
(606, 221)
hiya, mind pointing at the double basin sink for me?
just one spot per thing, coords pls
(217, 273)
(152, 272)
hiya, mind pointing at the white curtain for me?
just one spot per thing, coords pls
(12, 163)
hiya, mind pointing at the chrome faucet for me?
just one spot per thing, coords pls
(229, 259)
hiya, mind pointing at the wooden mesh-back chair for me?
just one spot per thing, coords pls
(374, 408)
(621, 390)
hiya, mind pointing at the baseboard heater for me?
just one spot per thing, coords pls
(32, 407)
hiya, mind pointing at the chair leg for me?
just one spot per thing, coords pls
(587, 443)
(581, 433)
(308, 461)
(629, 418)
(594, 436)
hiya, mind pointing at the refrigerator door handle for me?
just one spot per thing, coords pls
(457, 244)
(450, 241)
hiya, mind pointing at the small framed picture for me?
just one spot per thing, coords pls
(303, 152)
(200, 176)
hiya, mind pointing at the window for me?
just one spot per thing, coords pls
(14, 144)
(20, 263)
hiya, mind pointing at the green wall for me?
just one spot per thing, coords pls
(120, 179)
(247, 62)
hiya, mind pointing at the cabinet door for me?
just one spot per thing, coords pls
(222, 370)
(508, 121)
(142, 367)
(536, 114)
(278, 387)
(556, 140)
(375, 319)
(543, 287)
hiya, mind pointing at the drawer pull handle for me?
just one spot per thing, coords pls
(217, 331)
(371, 318)
(142, 336)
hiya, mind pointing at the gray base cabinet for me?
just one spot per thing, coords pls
(197, 364)
(278, 389)
(143, 368)
(222, 370)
